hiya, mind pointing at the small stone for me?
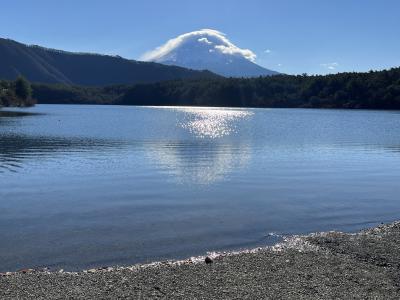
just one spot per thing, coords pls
(208, 260)
(92, 271)
(61, 271)
(25, 271)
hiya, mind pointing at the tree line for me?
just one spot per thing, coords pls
(16, 93)
(370, 90)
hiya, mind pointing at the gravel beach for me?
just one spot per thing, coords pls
(326, 265)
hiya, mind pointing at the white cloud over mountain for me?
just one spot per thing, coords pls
(205, 40)
(208, 49)
(330, 66)
(214, 38)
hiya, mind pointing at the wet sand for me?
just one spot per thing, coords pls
(365, 265)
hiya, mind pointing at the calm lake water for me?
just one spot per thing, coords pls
(84, 186)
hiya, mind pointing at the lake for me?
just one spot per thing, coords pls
(87, 186)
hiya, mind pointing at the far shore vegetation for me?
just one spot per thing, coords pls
(16, 93)
(369, 90)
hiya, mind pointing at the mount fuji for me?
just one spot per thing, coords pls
(208, 49)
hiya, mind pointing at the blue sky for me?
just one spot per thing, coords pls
(304, 36)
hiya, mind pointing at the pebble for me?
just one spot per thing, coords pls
(25, 271)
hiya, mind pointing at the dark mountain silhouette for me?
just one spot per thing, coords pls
(39, 64)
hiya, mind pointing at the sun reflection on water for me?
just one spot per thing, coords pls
(212, 122)
(200, 163)
(205, 157)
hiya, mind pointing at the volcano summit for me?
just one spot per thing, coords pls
(208, 49)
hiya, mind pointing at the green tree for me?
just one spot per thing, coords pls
(23, 88)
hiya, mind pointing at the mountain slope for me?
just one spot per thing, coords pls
(208, 49)
(44, 65)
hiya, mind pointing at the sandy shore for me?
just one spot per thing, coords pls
(329, 265)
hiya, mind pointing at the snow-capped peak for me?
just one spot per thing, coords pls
(207, 49)
(210, 38)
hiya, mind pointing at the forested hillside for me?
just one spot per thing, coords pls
(372, 90)
(39, 64)
(379, 89)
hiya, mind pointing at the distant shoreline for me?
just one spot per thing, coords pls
(15, 108)
(319, 265)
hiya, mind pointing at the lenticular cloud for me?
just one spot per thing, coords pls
(216, 40)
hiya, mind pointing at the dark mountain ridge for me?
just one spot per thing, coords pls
(39, 64)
